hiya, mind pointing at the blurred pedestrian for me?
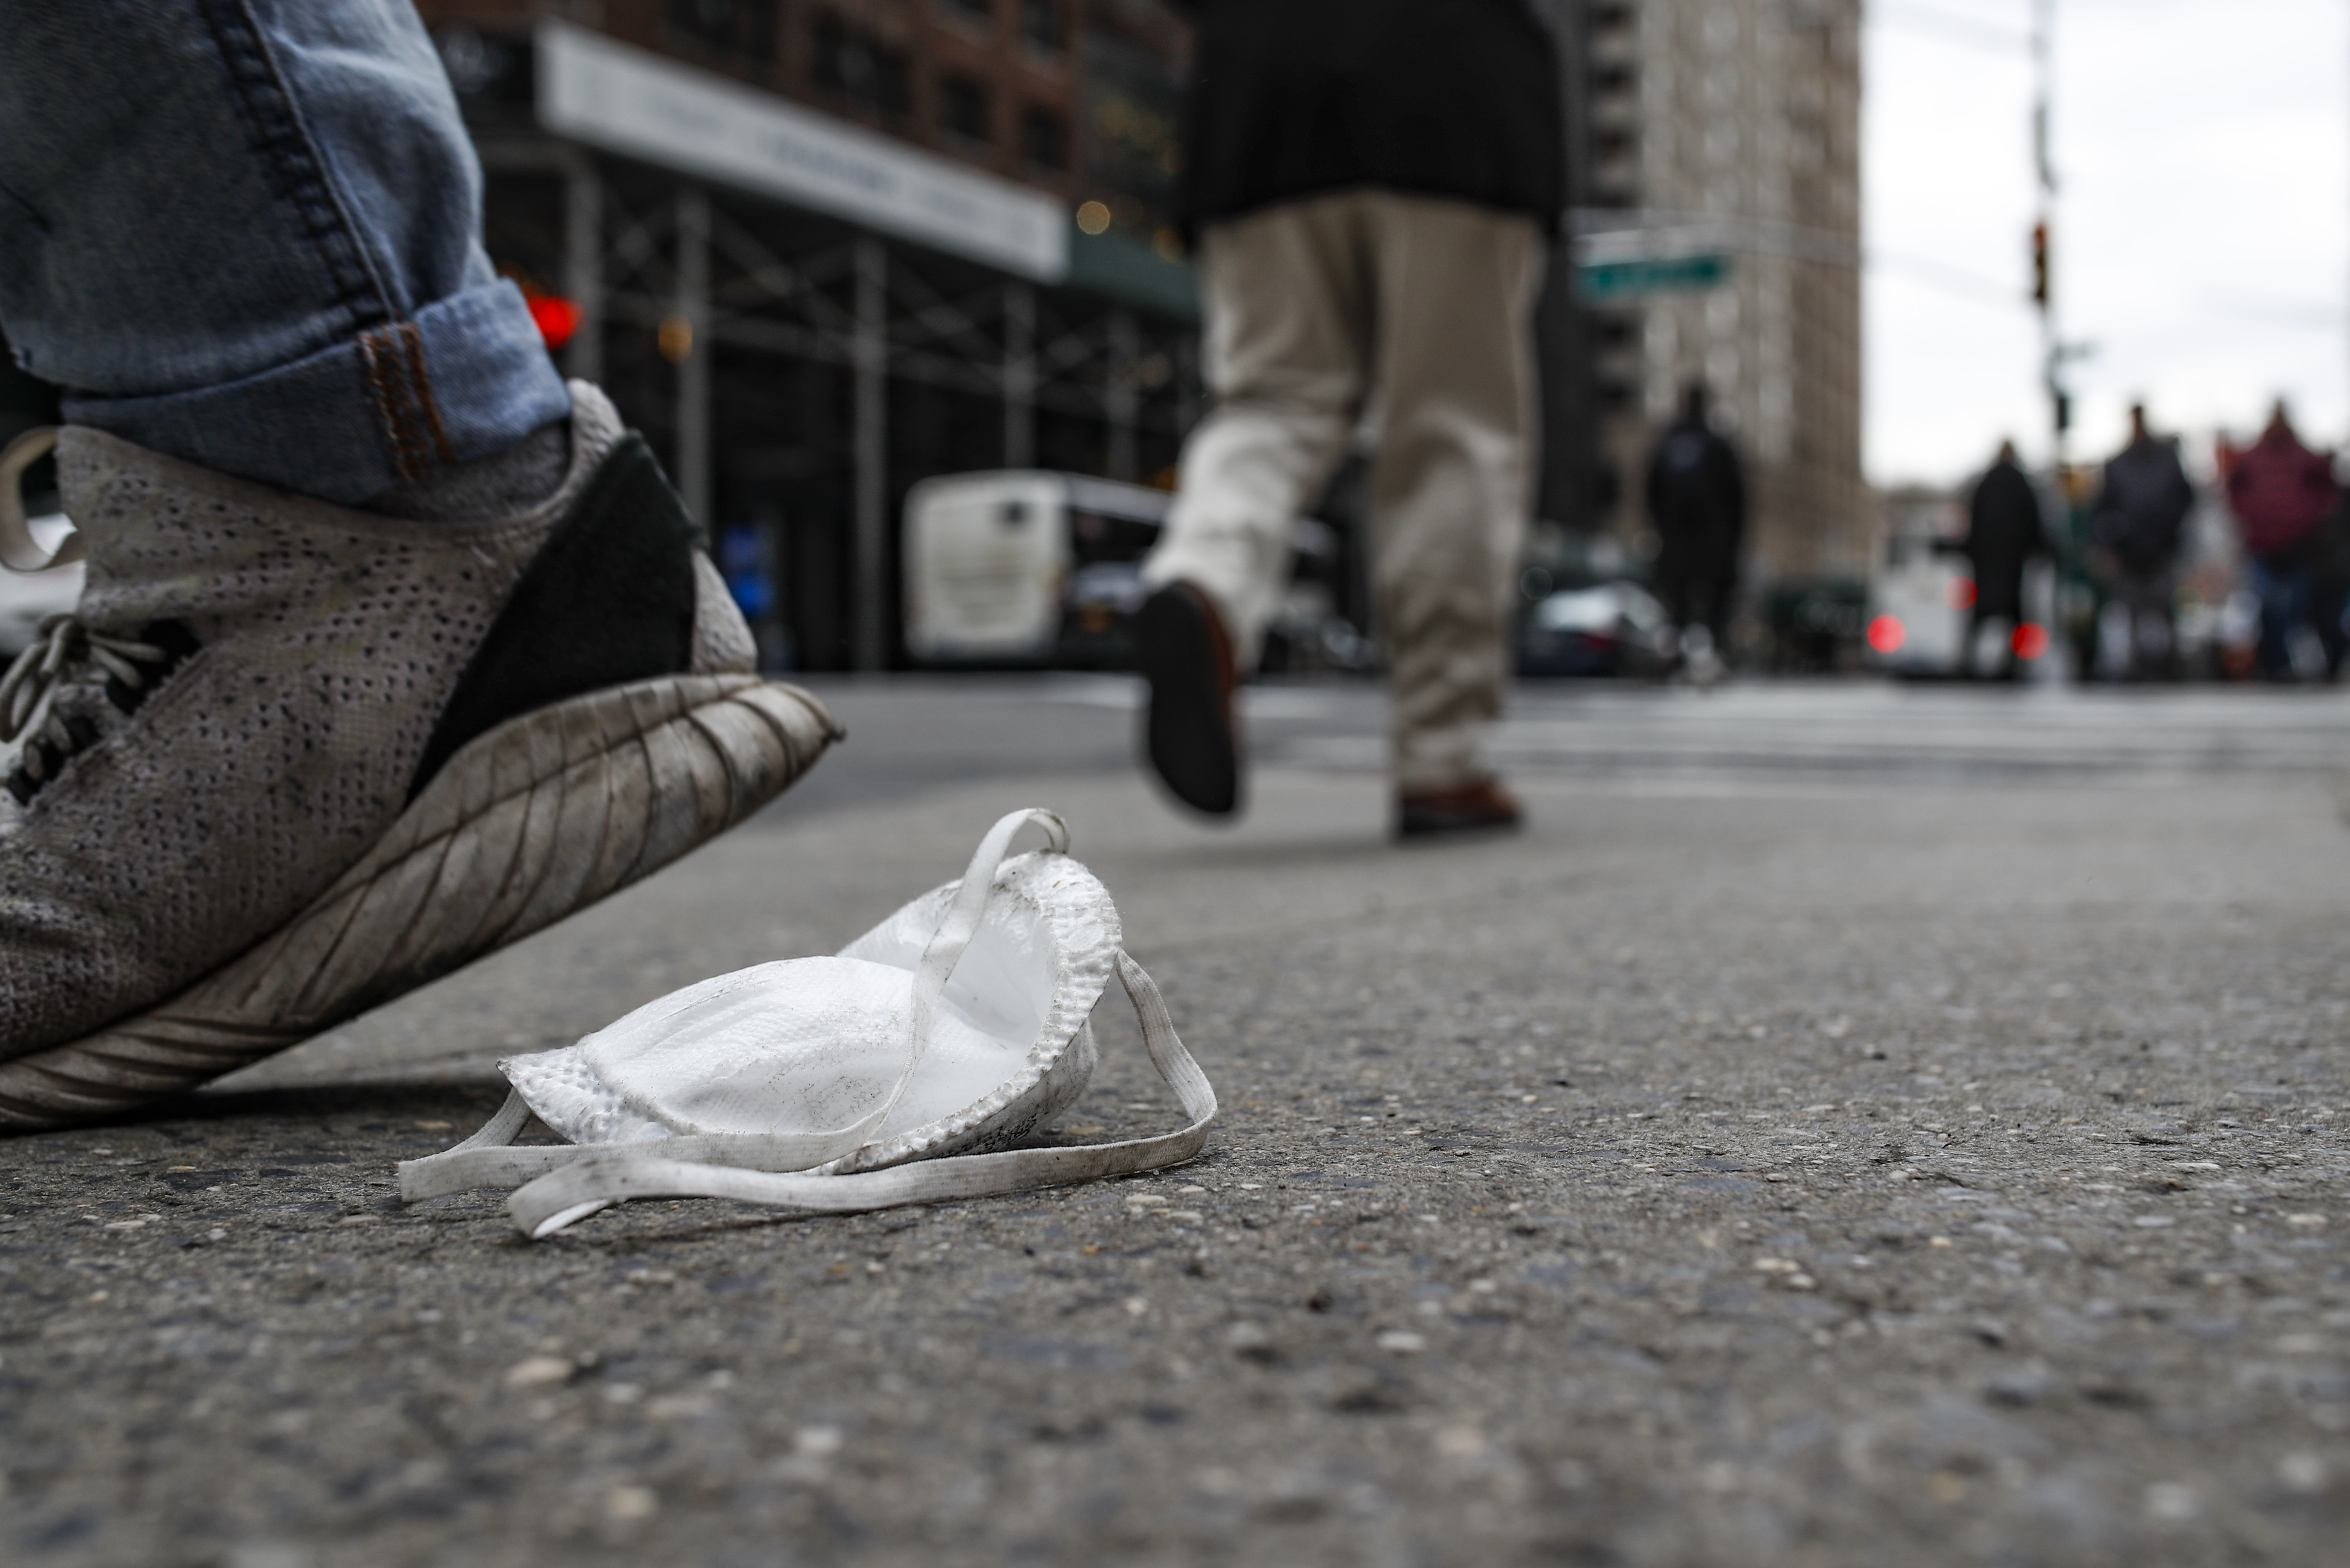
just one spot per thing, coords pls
(367, 584)
(2281, 493)
(2004, 534)
(1371, 184)
(2137, 520)
(1697, 501)
(2329, 583)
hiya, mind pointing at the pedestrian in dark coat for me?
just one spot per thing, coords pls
(2004, 533)
(1295, 99)
(1696, 499)
(1373, 186)
(2139, 520)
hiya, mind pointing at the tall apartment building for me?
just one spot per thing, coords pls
(1717, 162)
(819, 250)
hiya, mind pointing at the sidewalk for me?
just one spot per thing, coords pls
(1817, 1165)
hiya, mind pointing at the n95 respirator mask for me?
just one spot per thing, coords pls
(909, 1068)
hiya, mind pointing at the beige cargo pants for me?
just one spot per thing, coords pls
(1416, 311)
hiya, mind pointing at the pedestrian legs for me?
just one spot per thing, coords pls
(1421, 305)
(2282, 584)
(1286, 358)
(2147, 598)
(1451, 483)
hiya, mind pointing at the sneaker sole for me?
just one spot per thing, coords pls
(1187, 734)
(538, 818)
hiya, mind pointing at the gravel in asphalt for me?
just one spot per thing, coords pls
(1735, 1168)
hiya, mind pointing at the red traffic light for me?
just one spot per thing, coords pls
(558, 318)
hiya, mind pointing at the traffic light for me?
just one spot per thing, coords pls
(2040, 264)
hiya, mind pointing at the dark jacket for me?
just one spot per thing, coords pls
(2003, 532)
(1292, 98)
(2143, 506)
(1697, 498)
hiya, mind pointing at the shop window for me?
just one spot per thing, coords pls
(852, 61)
(1044, 23)
(962, 108)
(742, 28)
(1045, 140)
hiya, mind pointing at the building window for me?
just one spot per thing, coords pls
(1045, 140)
(744, 27)
(852, 61)
(1044, 23)
(962, 108)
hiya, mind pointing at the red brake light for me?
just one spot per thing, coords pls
(1886, 634)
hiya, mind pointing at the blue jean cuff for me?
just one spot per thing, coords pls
(466, 378)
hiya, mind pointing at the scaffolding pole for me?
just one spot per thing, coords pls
(689, 346)
(583, 264)
(871, 359)
(1019, 376)
(1122, 399)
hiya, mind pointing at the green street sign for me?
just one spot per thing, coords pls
(1651, 274)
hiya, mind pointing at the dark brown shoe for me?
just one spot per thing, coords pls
(1475, 807)
(1187, 732)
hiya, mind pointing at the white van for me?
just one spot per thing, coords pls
(990, 559)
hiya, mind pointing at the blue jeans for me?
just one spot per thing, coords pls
(2281, 582)
(247, 233)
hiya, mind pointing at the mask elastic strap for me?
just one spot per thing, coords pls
(606, 1177)
(957, 928)
(19, 551)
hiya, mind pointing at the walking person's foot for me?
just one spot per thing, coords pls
(1189, 732)
(1481, 805)
(289, 760)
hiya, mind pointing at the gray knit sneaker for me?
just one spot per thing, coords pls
(290, 759)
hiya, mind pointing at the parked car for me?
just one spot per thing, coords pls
(1606, 629)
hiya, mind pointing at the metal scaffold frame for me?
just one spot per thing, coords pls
(706, 270)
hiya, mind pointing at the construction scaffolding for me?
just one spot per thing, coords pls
(800, 375)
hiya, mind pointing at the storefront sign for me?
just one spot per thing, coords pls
(639, 105)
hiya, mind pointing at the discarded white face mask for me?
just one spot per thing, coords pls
(901, 1071)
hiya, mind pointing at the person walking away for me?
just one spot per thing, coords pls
(368, 591)
(1371, 184)
(1697, 501)
(2004, 535)
(2329, 582)
(2280, 491)
(2137, 522)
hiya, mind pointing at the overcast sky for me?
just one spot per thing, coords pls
(2202, 222)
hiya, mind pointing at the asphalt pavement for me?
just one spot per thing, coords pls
(1850, 1125)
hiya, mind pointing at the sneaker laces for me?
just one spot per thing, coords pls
(63, 645)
